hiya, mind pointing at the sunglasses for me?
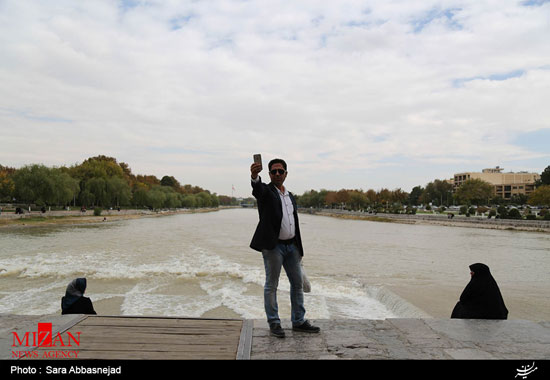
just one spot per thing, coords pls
(278, 171)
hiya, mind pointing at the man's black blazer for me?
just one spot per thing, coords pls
(270, 209)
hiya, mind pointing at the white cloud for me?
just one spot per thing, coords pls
(351, 93)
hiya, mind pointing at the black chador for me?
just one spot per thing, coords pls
(481, 299)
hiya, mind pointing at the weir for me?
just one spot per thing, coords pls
(394, 303)
(178, 338)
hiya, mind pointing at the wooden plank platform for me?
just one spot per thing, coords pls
(142, 338)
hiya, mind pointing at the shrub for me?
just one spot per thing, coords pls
(514, 214)
(97, 211)
(410, 210)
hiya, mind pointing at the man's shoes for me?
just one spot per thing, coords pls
(306, 327)
(276, 330)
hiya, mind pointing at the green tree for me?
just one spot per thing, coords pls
(437, 192)
(118, 191)
(357, 200)
(399, 196)
(519, 199)
(189, 201)
(545, 176)
(502, 212)
(514, 214)
(139, 197)
(226, 200)
(540, 197)
(372, 197)
(65, 188)
(156, 197)
(85, 198)
(7, 186)
(415, 194)
(147, 180)
(170, 181)
(97, 186)
(33, 184)
(474, 191)
(98, 167)
(313, 198)
(172, 200)
(103, 181)
(203, 199)
(215, 200)
(384, 198)
(98, 181)
(44, 186)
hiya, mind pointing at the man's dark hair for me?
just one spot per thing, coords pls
(276, 161)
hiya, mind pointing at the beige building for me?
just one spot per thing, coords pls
(505, 185)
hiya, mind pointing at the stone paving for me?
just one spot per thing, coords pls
(421, 339)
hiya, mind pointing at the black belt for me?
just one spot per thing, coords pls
(287, 242)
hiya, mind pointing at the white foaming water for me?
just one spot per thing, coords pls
(195, 265)
(207, 280)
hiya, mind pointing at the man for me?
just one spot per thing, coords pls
(278, 237)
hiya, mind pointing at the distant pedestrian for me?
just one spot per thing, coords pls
(74, 301)
(481, 299)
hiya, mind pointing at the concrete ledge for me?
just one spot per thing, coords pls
(419, 339)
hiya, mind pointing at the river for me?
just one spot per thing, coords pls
(200, 265)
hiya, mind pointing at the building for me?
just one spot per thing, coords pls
(505, 185)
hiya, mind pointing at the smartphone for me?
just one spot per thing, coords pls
(258, 159)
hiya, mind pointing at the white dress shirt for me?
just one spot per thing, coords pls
(288, 225)
(288, 228)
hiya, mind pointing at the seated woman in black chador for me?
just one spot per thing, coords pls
(481, 299)
(74, 301)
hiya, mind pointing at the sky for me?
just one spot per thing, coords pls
(352, 94)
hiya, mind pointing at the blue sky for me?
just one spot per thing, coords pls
(353, 94)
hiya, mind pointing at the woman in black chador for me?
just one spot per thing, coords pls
(481, 299)
(74, 301)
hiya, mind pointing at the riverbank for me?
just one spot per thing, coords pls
(439, 219)
(36, 218)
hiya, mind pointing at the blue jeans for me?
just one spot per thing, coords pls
(288, 257)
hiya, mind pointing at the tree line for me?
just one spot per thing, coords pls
(99, 181)
(438, 193)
